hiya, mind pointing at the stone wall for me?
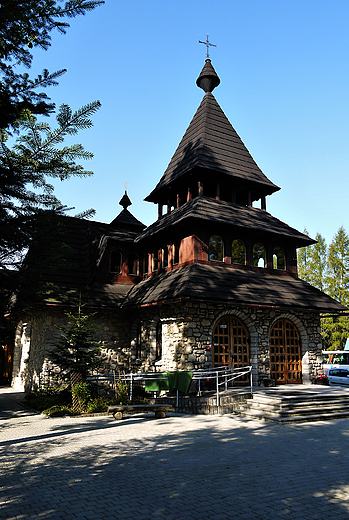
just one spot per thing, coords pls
(187, 336)
(38, 333)
(186, 339)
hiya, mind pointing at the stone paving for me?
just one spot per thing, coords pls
(181, 467)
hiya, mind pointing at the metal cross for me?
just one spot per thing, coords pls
(208, 45)
(126, 185)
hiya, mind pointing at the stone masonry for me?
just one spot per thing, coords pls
(186, 339)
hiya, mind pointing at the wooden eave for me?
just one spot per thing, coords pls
(93, 296)
(231, 286)
(206, 211)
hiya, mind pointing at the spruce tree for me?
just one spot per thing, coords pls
(303, 261)
(337, 279)
(317, 262)
(31, 152)
(77, 351)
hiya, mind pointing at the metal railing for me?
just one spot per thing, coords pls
(222, 377)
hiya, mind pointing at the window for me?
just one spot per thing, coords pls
(238, 252)
(279, 258)
(259, 256)
(145, 263)
(158, 353)
(115, 262)
(133, 264)
(216, 249)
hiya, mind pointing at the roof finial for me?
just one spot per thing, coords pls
(208, 45)
(125, 201)
(208, 79)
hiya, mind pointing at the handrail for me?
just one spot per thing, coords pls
(222, 376)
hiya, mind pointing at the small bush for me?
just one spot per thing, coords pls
(122, 391)
(57, 411)
(100, 404)
(42, 400)
(82, 392)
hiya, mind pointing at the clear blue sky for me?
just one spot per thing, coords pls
(284, 70)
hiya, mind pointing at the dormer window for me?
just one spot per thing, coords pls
(133, 264)
(116, 262)
(145, 263)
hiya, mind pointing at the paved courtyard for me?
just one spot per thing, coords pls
(180, 467)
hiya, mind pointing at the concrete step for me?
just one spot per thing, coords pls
(304, 410)
(295, 418)
(301, 406)
(296, 407)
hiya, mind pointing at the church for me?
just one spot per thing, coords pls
(212, 282)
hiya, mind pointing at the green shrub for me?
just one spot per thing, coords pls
(57, 411)
(82, 392)
(50, 396)
(100, 404)
(122, 392)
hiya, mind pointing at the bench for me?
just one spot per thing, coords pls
(159, 409)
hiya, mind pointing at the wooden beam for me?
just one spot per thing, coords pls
(200, 189)
(218, 192)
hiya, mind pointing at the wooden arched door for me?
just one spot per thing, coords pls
(231, 343)
(285, 352)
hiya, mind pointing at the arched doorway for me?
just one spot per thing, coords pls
(231, 343)
(285, 352)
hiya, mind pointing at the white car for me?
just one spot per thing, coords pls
(338, 376)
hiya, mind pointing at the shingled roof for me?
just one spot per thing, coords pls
(125, 219)
(84, 243)
(230, 285)
(207, 210)
(210, 142)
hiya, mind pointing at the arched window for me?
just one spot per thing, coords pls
(158, 353)
(155, 260)
(259, 255)
(279, 258)
(132, 264)
(175, 253)
(238, 252)
(164, 257)
(216, 249)
(115, 262)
